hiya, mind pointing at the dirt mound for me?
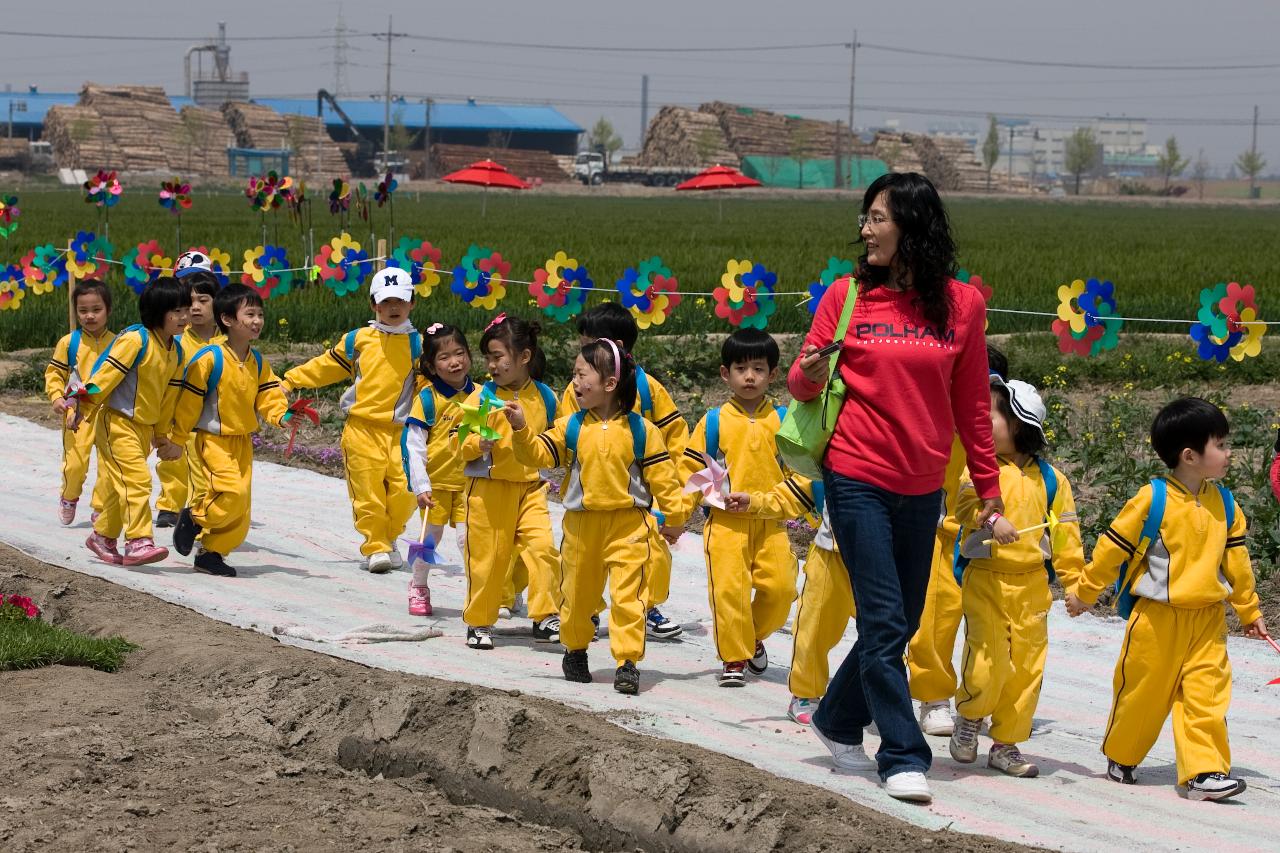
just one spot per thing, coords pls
(213, 737)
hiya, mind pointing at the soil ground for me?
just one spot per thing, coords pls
(216, 738)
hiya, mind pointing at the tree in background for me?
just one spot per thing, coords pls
(603, 138)
(800, 139)
(1170, 161)
(1080, 153)
(991, 148)
(1251, 164)
(399, 136)
(1199, 172)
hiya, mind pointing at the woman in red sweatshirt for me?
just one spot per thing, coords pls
(915, 367)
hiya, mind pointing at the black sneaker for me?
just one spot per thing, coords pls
(595, 627)
(480, 638)
(185, 531)
(1214, 786)
(627, 679)
(575, 667)
(1122, 773)
(165, 518)
(759, 661)
(212, 563)
(660, 627)
(547, 630)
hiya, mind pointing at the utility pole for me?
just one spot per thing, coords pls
(1010, 187)
(426, 139)
(340, 47)
(853, 70)
(1253, 154)
(386, 116)
(644, 109)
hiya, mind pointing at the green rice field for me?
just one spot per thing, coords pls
(1158, 257)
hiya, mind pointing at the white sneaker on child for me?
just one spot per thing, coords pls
(380, 563)
(936, 719)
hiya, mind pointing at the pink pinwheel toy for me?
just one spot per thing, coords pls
(712, 481)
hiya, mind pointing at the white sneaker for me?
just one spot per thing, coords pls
(380, 563)
(936, 719)
(518, 605)
(845, 756)
(504, 612)
(801, 710)
(910, 785)
(397, 562)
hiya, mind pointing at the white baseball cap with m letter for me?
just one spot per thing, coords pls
(391, 283)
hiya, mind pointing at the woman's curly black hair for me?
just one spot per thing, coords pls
(925, 248)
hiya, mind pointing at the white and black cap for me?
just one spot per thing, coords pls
(391, 283)
(1025, 402)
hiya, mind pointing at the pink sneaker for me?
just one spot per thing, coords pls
(140, 551)
(66, 511)
(104, 549)
(419, 601)
(93, 519)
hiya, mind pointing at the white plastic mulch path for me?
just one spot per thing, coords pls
(299, 569)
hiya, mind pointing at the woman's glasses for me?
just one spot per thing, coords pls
(875, 220)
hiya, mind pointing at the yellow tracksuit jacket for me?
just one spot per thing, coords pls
(383, 386)
(1006, 599)
(134, 404)
(675, 435)
(218, 419)
(432, 463)
(748, 552)
(507, 515)
(1174, 655)
(76, 445)
(181, 480)
(608, 527)
(932, 649)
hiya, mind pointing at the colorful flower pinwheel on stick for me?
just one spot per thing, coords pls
(560, 287)
(422, 260)
(649, 291)
(385, 194)
(13, 287)
(476, 418)
(87, 256)
(480, 279)
(343, 265)
(837, 268)
(300, 409)
(267, 193)
(266, 270)
(9, 213)
(144, 264)
(1227, 323)
(967, 277)
(44, 268)
(1086, 323)
(103, 190)
(175, 197)
(745, 297)
(340, 201)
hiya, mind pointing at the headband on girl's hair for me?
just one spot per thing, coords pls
(434, 327)
(617, 358)
(496, 320)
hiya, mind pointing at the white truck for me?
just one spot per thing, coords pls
(592, 168)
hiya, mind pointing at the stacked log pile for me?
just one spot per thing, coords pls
(525, 164)
(133, 128)
(897, 152)
(206, 139)
(79, 139)
(258, 126)
(679, 136)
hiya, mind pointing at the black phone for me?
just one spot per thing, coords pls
(829, 349)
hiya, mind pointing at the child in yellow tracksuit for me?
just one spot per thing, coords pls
(1006, 567)
(617, 467)
(506, 501)
(181, 480)
(432, 465)
(379, 360)
(226, 387)
(132, 393)
(746, 547)
(72, 360)
(1178, 547)
(611, 321)
(931, 650)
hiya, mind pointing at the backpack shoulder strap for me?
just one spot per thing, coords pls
(713, 432)
(571, 431)
(415, 344)
(73, 348)
(782, 412)
(215, 373)
(177, 346)
(643, 393)
(1150, 532)
(427, 397)
(1050, 478)
(349, 344)
(958, 560)
(257, 357)
(1228, 505)
(548, 400)
(639, 438)
(819, 490)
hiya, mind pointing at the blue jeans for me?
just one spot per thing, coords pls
(886, 541)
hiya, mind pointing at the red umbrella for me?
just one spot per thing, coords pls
(719, 178)
(486, 173)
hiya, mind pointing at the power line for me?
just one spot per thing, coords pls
(184, 39)
(1046, 63)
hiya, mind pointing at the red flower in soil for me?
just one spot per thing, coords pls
(22, 602)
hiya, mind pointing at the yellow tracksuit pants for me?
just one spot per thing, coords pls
(222, 510)
(657, 574)
(182, 480)
(381, 502)
(123, 446)
(600, 545)
(746, 555)
(76, 447)
(930, 653)
(826, 606)
(517, 581)
(450, 509)
(1005, 644)
(1172, 659)
(504, 518)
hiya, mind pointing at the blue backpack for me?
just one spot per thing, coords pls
(634, 421)
(142, 351)
(349, 344)
(428, 398)
(643, 394)
(215, 374)
(548, 397)
(713, 429)
(1150, 532)
(1050, 478)
(73, 349)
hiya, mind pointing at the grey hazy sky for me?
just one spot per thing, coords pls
(814, 82)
